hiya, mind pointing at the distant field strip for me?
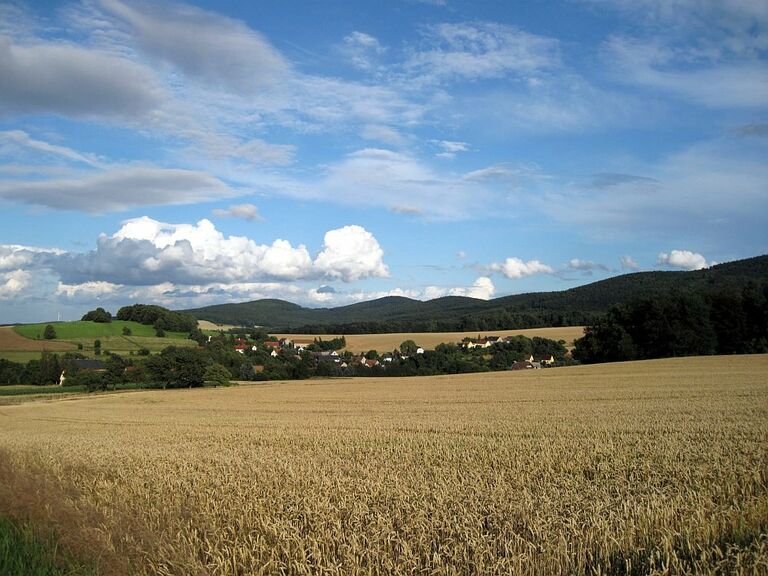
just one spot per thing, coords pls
(22, 343)
(428, 340)
(12, 341)
(632, 468)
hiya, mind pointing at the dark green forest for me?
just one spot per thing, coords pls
(726, 321)
(583, 305)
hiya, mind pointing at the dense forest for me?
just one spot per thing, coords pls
(577, 306)
(727, 321)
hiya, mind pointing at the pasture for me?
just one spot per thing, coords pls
(80, 329)
(24, 342)
(387, 342)
(623, 468)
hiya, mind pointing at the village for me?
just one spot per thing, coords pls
(372, 359)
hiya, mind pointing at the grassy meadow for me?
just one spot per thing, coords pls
(632, 468)
(24, 342)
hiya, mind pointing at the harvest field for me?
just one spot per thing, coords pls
(611, 469)
(387, 342)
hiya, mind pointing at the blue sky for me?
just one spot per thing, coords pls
(326, 153)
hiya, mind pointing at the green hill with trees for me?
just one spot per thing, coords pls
(577, 306)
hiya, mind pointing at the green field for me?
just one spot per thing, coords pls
(23, 551)
(26, 390)
(80, 329)
(24, 342)
(22, 357)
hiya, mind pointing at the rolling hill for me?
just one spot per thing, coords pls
(568, 307)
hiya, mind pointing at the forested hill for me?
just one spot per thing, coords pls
(576, 306)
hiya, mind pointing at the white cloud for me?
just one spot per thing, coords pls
(586, 265)
(147, 252)
(628, 263)
(450, 148)
(119, 188)
(260, 152)
(351, 253)
(245, 211)
(719, 84)
(13, 283)
(14, 256)
(87, 290)
(219, 50)
(401, 183)
(684, 259)
(515, 268)
(720, 181)
(64, 79)
(20, 140)
(481, 50)
(482, 288)
(738, 26)
(362, 50)
(385, 134)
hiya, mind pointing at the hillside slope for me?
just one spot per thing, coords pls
(576, 306)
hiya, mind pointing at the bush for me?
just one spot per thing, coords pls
(218, 375)
(49, 333)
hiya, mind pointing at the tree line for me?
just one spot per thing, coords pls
(218, 362)
(729, 321)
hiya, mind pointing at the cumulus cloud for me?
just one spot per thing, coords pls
(202, 44)
(64, 79)
(14, 256)
(482, 288)
(119, 188)
(147, 252)
(515, 268)
(245, 211)
(628, 263)
(351, 253)
(14, 282)
(684, 259)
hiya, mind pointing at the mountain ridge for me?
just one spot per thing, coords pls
(574, 306)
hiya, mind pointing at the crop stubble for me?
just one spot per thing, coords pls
(625, 468)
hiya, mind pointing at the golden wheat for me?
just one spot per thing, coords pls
(387, 342)
(652, 467)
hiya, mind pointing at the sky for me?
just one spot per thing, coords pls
(326, 153)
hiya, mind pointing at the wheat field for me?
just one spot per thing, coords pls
(633, 468)
(360, 343)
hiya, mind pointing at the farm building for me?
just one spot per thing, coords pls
(84, 365)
